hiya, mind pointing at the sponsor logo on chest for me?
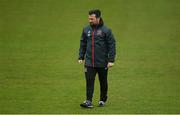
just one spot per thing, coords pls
(89, 33)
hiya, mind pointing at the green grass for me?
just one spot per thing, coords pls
(39, 42)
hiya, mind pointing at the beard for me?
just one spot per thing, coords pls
(92, 24)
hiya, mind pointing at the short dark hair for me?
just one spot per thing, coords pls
(97, 12)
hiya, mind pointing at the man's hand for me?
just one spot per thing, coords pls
(110, 64)
(80, 61)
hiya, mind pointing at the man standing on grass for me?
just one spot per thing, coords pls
(97, 47)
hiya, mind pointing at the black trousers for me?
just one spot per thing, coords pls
(90, 73)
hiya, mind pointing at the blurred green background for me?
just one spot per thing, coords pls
(39, 43)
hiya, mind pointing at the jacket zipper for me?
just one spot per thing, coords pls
(93, 47)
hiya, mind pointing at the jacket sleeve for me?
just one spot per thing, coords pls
(111, 45)
(83, 43)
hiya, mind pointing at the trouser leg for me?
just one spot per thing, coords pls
(102, 74)
(90, 74)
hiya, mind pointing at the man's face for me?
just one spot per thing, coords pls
(93, 20)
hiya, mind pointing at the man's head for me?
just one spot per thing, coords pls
(94, 17)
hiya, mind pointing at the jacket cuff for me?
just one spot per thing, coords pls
(80, 58)
(111, 60)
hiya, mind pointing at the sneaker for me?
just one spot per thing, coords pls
(101, 103)
(86, 104)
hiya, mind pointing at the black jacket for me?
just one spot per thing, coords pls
(97, 45)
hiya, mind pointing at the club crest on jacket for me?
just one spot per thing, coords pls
(99, 32)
